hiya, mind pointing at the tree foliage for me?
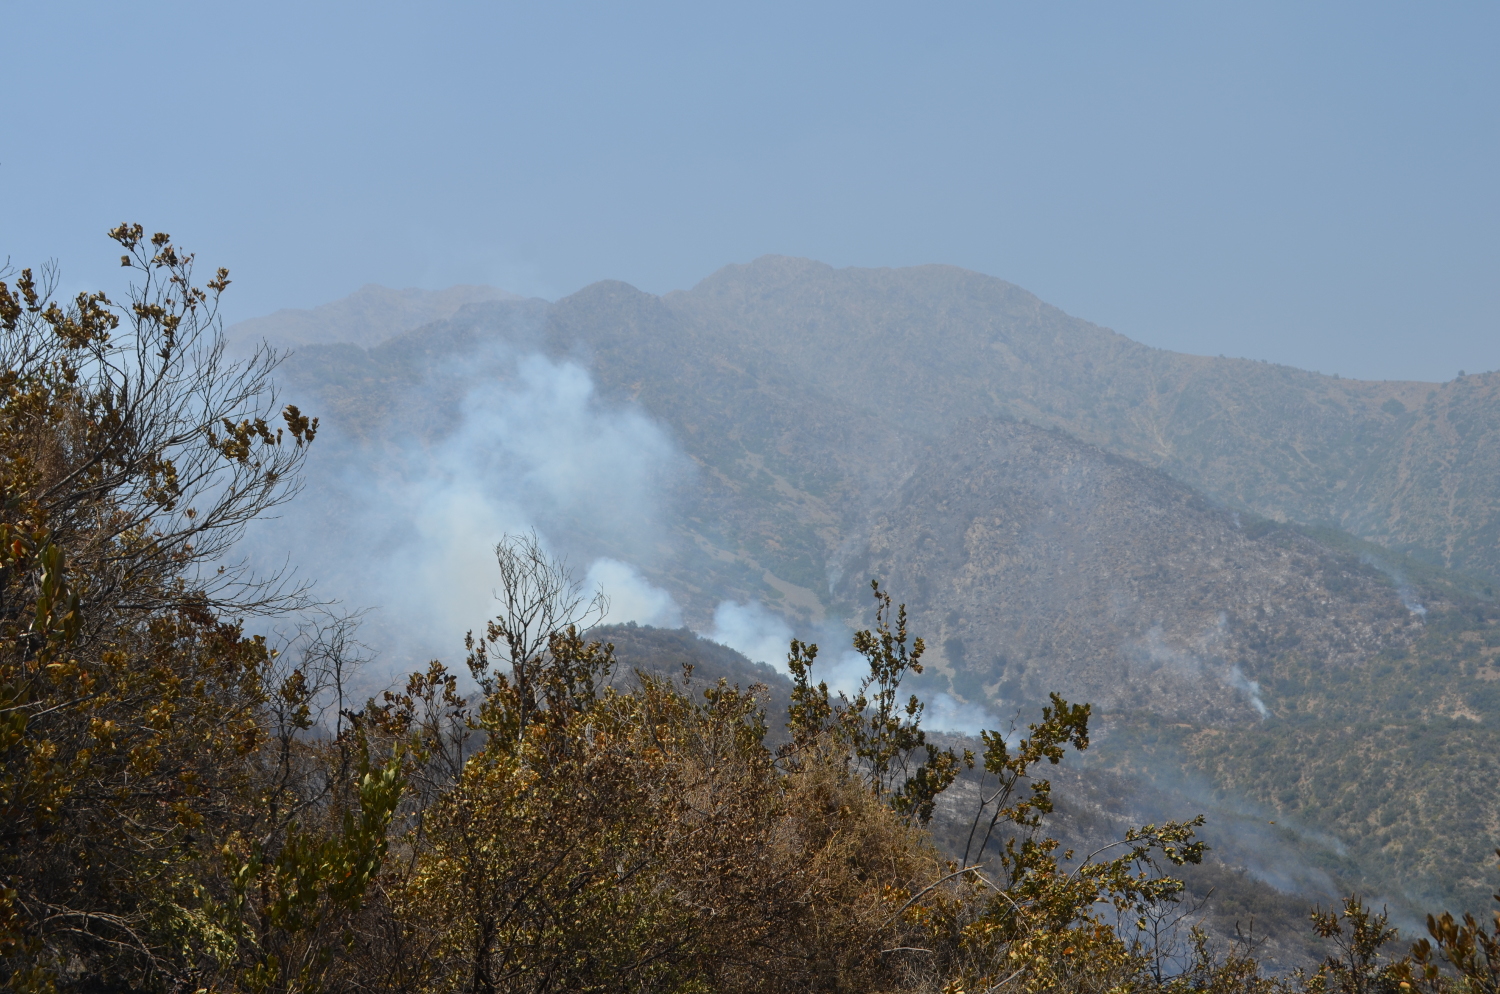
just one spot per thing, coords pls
(137, 722)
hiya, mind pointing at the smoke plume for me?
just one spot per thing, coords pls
(402, 526)
(1404, 590)
(405, 526)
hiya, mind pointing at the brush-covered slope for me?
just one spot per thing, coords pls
(1302, 671)
(1411, 465)
(849, 423)
(1037, 562)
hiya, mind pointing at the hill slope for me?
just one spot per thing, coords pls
(1410, 465)
(845, 423)
(1283, 667)
(1037, 562)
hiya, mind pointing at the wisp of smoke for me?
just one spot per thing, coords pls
(1404, 590)
(762, 636)
(1236, 678)
(1154, 650)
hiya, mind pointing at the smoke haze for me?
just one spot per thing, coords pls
(406, 527)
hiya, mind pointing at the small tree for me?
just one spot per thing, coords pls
(882, 733)
(539, 599)
(1359, 934)
(134, 445)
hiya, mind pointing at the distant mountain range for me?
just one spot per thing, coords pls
(366, 317)
(1277, 583)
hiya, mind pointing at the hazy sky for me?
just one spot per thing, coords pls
(1315, 184)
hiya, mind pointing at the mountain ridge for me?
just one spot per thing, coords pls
(366, 317)
(835, 419)
(1335, 450)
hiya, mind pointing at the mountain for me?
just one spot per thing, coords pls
(366, 317)
(1277, 586)
(1409, 465)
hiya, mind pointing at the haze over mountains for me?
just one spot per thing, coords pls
(368, 316)
(1400, 463)
(1275, 581)
(925, 348)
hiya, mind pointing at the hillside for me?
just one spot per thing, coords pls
(1287, 668)
(1036, 563)
(1063, 509)
(1410, 465)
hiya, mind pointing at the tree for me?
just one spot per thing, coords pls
(134, 445)
(135, 715)
(539, 599)
(881, 733)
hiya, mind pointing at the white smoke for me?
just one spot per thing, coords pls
(405, 526)
(408, 528)
(945, 713)
(752, 631)
(1404, 590)
(631, 596)
(762, 636)
(1236, 678)
(1154, 651)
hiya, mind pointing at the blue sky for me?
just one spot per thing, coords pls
(1313, 184)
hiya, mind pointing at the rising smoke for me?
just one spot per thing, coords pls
(1201, 661)
(403, 527)
(1404, 589)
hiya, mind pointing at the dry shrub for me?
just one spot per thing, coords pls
(650, 841)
